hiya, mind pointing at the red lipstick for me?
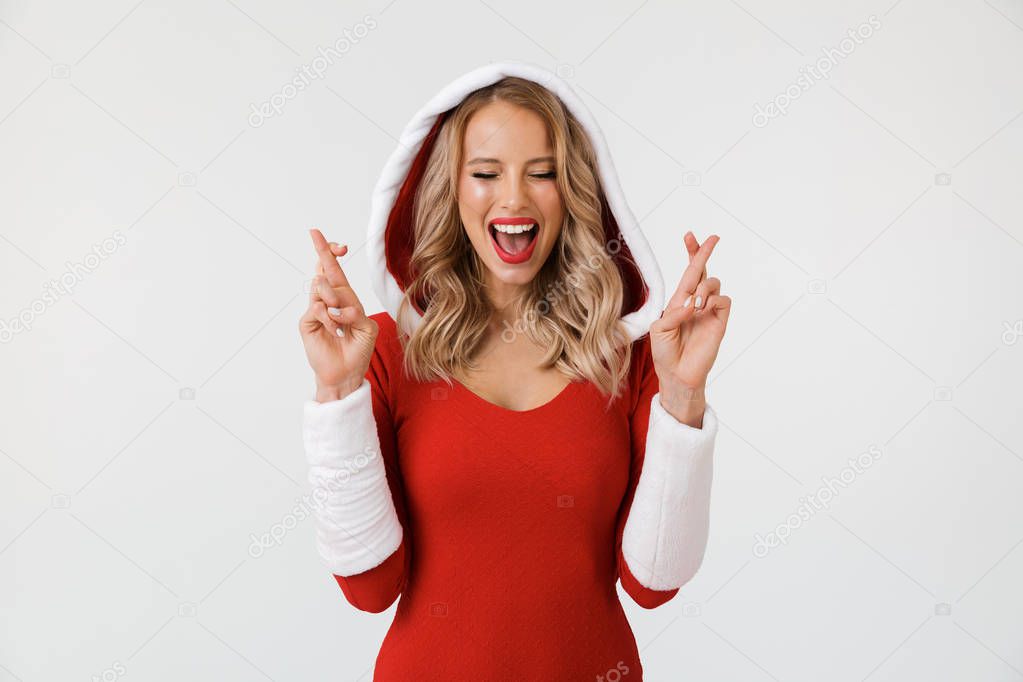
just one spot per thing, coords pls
(523, 255)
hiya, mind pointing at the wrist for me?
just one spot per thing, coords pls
(329, 392)
(685, 403)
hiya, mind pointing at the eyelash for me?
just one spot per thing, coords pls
(550, 175)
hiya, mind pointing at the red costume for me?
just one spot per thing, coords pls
(505, 532)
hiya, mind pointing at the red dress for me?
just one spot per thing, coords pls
(502, 531)
(512, 525)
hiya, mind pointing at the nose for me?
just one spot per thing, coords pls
(513, 195)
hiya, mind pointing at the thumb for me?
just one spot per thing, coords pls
(354, 317)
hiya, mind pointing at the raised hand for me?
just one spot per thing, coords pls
(338, 336)
(684, 342)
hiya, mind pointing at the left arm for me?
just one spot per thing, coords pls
(662, 533)
(663, 537)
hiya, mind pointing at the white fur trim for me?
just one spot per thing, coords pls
(665, 535)
(394, 172)
(357, 526)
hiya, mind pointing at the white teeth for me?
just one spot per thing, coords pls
(513, 229)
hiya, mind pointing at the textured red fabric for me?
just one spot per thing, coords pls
(512, 528)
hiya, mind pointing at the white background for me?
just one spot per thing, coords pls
(871, 240)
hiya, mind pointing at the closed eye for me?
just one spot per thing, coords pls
(550, 175)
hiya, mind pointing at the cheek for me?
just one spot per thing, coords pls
(548, 199)
(474, 198)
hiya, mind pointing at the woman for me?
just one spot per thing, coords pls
(522, 427)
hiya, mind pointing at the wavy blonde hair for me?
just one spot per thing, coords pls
(574, 304)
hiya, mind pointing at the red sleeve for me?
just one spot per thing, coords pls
(643, 385)
(376, 589)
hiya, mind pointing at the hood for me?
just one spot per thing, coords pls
(390, 236)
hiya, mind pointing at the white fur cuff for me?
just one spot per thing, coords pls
(357, 526)
(665, 535)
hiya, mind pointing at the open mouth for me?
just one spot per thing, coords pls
(514, 242)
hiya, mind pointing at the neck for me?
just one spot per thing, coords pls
(502, 297)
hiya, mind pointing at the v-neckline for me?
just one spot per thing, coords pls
(562, 394)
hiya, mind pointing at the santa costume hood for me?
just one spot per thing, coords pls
(390, 238)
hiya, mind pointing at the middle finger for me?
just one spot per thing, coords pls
(693, 247)
(694, 273)
(327, 293)
(328, 261)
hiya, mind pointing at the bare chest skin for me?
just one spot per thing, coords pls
(510, 375)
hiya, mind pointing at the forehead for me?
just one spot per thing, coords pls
(504, 130)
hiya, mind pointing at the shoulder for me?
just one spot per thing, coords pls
(388, 344)
(388, 350)
(388, 327)
(642, 378)
(641, 361)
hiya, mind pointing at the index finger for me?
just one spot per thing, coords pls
(693, 246)
(331, 268)
(694, 272)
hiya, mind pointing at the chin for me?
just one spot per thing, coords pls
(514, 277)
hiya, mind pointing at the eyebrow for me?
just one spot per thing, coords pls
(480, 159)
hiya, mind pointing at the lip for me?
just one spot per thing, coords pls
(514, 258)
(520, 220)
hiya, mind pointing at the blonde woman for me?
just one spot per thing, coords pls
(522, 427)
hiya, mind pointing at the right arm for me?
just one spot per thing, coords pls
(348, 435)
(358, 504)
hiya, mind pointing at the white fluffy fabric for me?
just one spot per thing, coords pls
(665, 534)
(357, 526)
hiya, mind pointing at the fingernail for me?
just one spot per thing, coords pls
(697, 304)
(686, 304)
(334, 311)
(340, 331)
